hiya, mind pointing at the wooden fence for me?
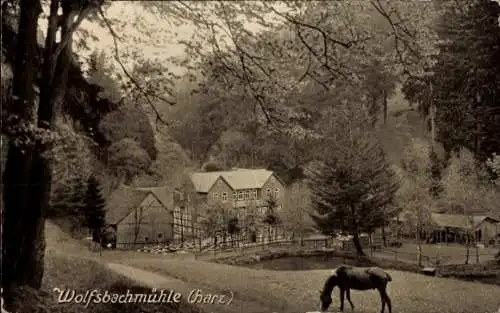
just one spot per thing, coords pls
(140, 244)
(427, 260)
(467, 270)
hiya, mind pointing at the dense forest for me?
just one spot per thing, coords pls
(375, 107)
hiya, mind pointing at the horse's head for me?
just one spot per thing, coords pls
(326, 294)
(325, 301)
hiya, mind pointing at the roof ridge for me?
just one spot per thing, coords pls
(132, 187)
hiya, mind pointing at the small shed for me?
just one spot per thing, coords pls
(141, 216)
(453, 227)
(487, 229)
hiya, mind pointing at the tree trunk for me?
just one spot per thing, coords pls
(419, 254)
(477, 251)
(137, 226)
(384, 239)
(52, 90)
(385, 107)
(22, 249)
(355, 233)
(357, 245)
(467, 255)
(419, 247)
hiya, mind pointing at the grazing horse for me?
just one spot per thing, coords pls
(356, 278)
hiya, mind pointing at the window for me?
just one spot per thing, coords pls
(159, 235)
(276, 193)
(240, 214)
(235, 196)
(268, 192)
(146, 239)
(216, 196)
(254, 194)
(180, 195)
(224, 196)
(247, 194)
(240, 195)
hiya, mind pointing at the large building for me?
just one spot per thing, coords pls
(243, 192)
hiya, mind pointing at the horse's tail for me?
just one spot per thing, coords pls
(340, 272)
(342, 269)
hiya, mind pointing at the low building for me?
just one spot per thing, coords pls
(459, 227)
(141, 216)
(451, 228)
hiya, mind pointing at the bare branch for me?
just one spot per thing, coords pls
(117, 58)
(308, 68)
(326, 37)
(399, 40)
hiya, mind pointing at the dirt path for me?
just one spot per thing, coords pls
(157, 281)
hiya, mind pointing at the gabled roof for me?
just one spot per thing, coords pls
(488, 218)
(236, 179)
(458, 220)
(125, 199)
(451, 220)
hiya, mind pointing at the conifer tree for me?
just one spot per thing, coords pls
(94, 208)
(466, 80)
(353, 185)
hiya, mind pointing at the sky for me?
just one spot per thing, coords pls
(141, 32)
(135, 26)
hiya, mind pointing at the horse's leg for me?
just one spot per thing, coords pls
(382, 298)
(348, 294)
(342, 292)
(387, 299)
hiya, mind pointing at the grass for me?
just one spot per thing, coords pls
(70, 265)
(71, 272)
(282, 291)
(296, 291)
